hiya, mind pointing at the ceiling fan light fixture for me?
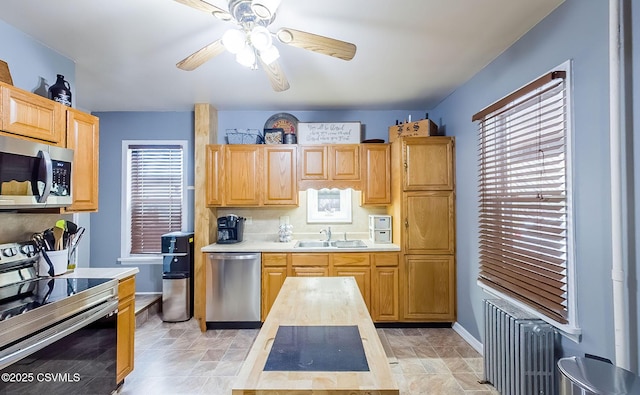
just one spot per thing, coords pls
(260, 38)
(234, 40)
(247, 57)
(269, 55)
(264, 9)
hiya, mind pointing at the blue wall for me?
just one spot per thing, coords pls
(374, 123)
(106, 223)
(577, 30)
(30, 62)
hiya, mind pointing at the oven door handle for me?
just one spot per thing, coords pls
(41, 340)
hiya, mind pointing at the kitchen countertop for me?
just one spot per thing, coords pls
(101, 272)
(274, 246)
(328, 306)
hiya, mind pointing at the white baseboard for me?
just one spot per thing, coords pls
(473, 342)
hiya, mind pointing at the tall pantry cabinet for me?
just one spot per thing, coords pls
(423, 212)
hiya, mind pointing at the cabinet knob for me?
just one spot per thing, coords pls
(406, 223)
(405, 165)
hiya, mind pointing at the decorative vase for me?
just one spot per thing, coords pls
(61, 91)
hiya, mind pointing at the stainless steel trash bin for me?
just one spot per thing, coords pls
(587, 376)
(176, 304)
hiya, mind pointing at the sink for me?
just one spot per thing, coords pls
(349, 244)
(332, 244)
(311, 244)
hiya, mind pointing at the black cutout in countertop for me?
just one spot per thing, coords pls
(317, 349)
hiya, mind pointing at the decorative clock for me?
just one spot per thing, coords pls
(287, 122)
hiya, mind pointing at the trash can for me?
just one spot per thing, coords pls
(175, 297)
(587, 376)
(177, 276)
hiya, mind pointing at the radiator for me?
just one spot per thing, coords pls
(519, 351)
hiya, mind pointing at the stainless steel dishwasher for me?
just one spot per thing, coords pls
(233, 290)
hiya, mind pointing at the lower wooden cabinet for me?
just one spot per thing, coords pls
(274, 272)
(126, 327)
(385, 305)
(378, 289)
(429, 288)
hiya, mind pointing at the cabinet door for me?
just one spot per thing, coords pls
(428, 163)
(313, 162)
(126, 327)
(362, 276)
(272, 280)
(29, 115)
(281, 176)
(429, 288)
(345, 162)
(376, 174)
(83, 138)
(429, 222)
(384, 295)
(242, 167)
(215, 175)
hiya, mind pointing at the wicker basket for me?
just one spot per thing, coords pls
(5, 75)
(244, 136)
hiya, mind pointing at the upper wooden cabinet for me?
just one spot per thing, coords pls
(344, 162)
(83, 138)
(428, 163)
(29, 115)
(215, 175)
(280, 175)
(32, 117)
(313, 162)
(242, 175)
(376, 174)
(251, 175)
(329, 166)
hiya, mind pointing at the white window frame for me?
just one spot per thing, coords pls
(126, 258)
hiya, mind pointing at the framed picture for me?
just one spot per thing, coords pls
(329, 206)
(273, 136)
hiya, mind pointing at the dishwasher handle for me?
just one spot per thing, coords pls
(234, 256)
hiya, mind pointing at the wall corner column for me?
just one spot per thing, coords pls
(206, 132)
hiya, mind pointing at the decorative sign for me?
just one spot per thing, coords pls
(329, 133)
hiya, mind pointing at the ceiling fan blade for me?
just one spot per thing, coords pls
(317, 43)
(203, 6)
(197, 58)
(276, 76)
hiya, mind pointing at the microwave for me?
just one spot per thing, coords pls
(34, 175)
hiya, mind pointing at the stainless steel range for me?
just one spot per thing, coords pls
(56, 334)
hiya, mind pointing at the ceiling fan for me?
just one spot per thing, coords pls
(252, 42)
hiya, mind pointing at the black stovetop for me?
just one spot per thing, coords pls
(317, 349)
(29, 295)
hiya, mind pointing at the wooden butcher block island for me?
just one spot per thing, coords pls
(317, 339)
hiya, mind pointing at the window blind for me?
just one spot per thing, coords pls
(523, 196)
(156, 195)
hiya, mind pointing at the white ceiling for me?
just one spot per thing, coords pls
(411, 53)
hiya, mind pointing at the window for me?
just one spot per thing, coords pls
(329, 206)
(525, 205)
(154, 194)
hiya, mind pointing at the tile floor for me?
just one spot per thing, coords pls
(176, 358)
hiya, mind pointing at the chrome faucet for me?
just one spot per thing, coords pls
(327, 232)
